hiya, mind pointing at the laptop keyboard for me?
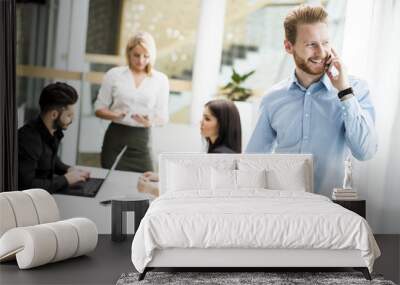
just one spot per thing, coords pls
(86, 188)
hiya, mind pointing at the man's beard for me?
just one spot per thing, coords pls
(303, 65)
(59, 125)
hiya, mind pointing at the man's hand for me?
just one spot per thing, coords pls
(340, 81)
(84, 172)
(142, 119)
(76, 175)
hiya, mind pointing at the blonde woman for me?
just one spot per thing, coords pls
(134, 98)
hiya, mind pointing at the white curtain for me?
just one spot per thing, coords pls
(371, 50)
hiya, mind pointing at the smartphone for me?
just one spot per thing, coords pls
(332, 69)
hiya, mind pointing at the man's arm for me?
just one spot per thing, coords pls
(359, 116)
(263, 137)
(357, 111)
(60, 168)
(29, 151)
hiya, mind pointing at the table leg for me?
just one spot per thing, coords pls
(118, 222)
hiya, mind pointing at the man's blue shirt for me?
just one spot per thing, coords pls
(294, 119)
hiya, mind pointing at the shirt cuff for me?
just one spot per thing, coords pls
(350, 108)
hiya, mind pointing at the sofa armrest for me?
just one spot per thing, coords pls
(40, 244)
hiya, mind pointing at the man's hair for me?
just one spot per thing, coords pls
(57, 95)
(303, 14)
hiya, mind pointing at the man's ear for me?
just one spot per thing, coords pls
(288, 46)
(54, 114)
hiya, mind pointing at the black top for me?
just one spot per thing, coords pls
(38, 163)
(221, 149)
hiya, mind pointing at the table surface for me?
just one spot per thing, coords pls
(119, 185)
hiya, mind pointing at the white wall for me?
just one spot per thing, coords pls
(371, 51)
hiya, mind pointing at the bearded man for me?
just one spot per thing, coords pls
(319, 109)
(38, 163)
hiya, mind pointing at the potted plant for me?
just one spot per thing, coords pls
(234, 90)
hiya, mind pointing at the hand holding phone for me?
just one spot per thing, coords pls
(330, 68)
(336, 71)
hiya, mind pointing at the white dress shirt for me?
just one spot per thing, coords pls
(118, 92)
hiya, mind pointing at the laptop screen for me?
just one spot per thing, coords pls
(117, 159)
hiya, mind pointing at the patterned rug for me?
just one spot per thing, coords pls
(243, 278)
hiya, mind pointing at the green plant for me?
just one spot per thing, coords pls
(234, 90)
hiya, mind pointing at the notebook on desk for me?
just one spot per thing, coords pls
(91, 187)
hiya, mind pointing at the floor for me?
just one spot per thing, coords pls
(110, 260)
(103, 266)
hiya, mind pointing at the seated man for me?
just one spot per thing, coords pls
(38, 141)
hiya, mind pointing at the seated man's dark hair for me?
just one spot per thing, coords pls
(57, 95)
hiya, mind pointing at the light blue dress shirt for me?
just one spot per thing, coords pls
(294, 119)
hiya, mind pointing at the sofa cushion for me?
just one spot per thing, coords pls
(7, 215)
(40, 244)
(23, 208)
(45, 205)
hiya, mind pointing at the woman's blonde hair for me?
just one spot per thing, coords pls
(146, 41)
(303, 14)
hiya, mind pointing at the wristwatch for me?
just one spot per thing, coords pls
(345, 92)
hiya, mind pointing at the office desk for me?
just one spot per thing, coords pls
(120, 184)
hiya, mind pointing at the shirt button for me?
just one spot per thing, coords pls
(343, 108)
(307, 114)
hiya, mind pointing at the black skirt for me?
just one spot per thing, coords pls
(136, 158)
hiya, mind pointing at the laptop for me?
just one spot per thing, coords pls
(90, 187)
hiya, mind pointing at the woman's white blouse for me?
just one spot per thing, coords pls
(119, 93)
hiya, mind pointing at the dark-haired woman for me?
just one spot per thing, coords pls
(220, 126)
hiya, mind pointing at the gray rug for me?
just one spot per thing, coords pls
(229, 278)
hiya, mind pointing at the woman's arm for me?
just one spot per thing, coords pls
(107, 114)
(145, 185)
(104, 99)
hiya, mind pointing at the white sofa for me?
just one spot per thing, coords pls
(31, 231)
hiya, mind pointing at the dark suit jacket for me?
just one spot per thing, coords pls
(38, 163)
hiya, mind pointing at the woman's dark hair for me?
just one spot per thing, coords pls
(57, 95)
(229, 127)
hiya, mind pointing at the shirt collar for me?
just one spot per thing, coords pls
(294, 82)
(326, 82)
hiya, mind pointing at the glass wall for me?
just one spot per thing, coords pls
(253, 40)
(34, 47)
